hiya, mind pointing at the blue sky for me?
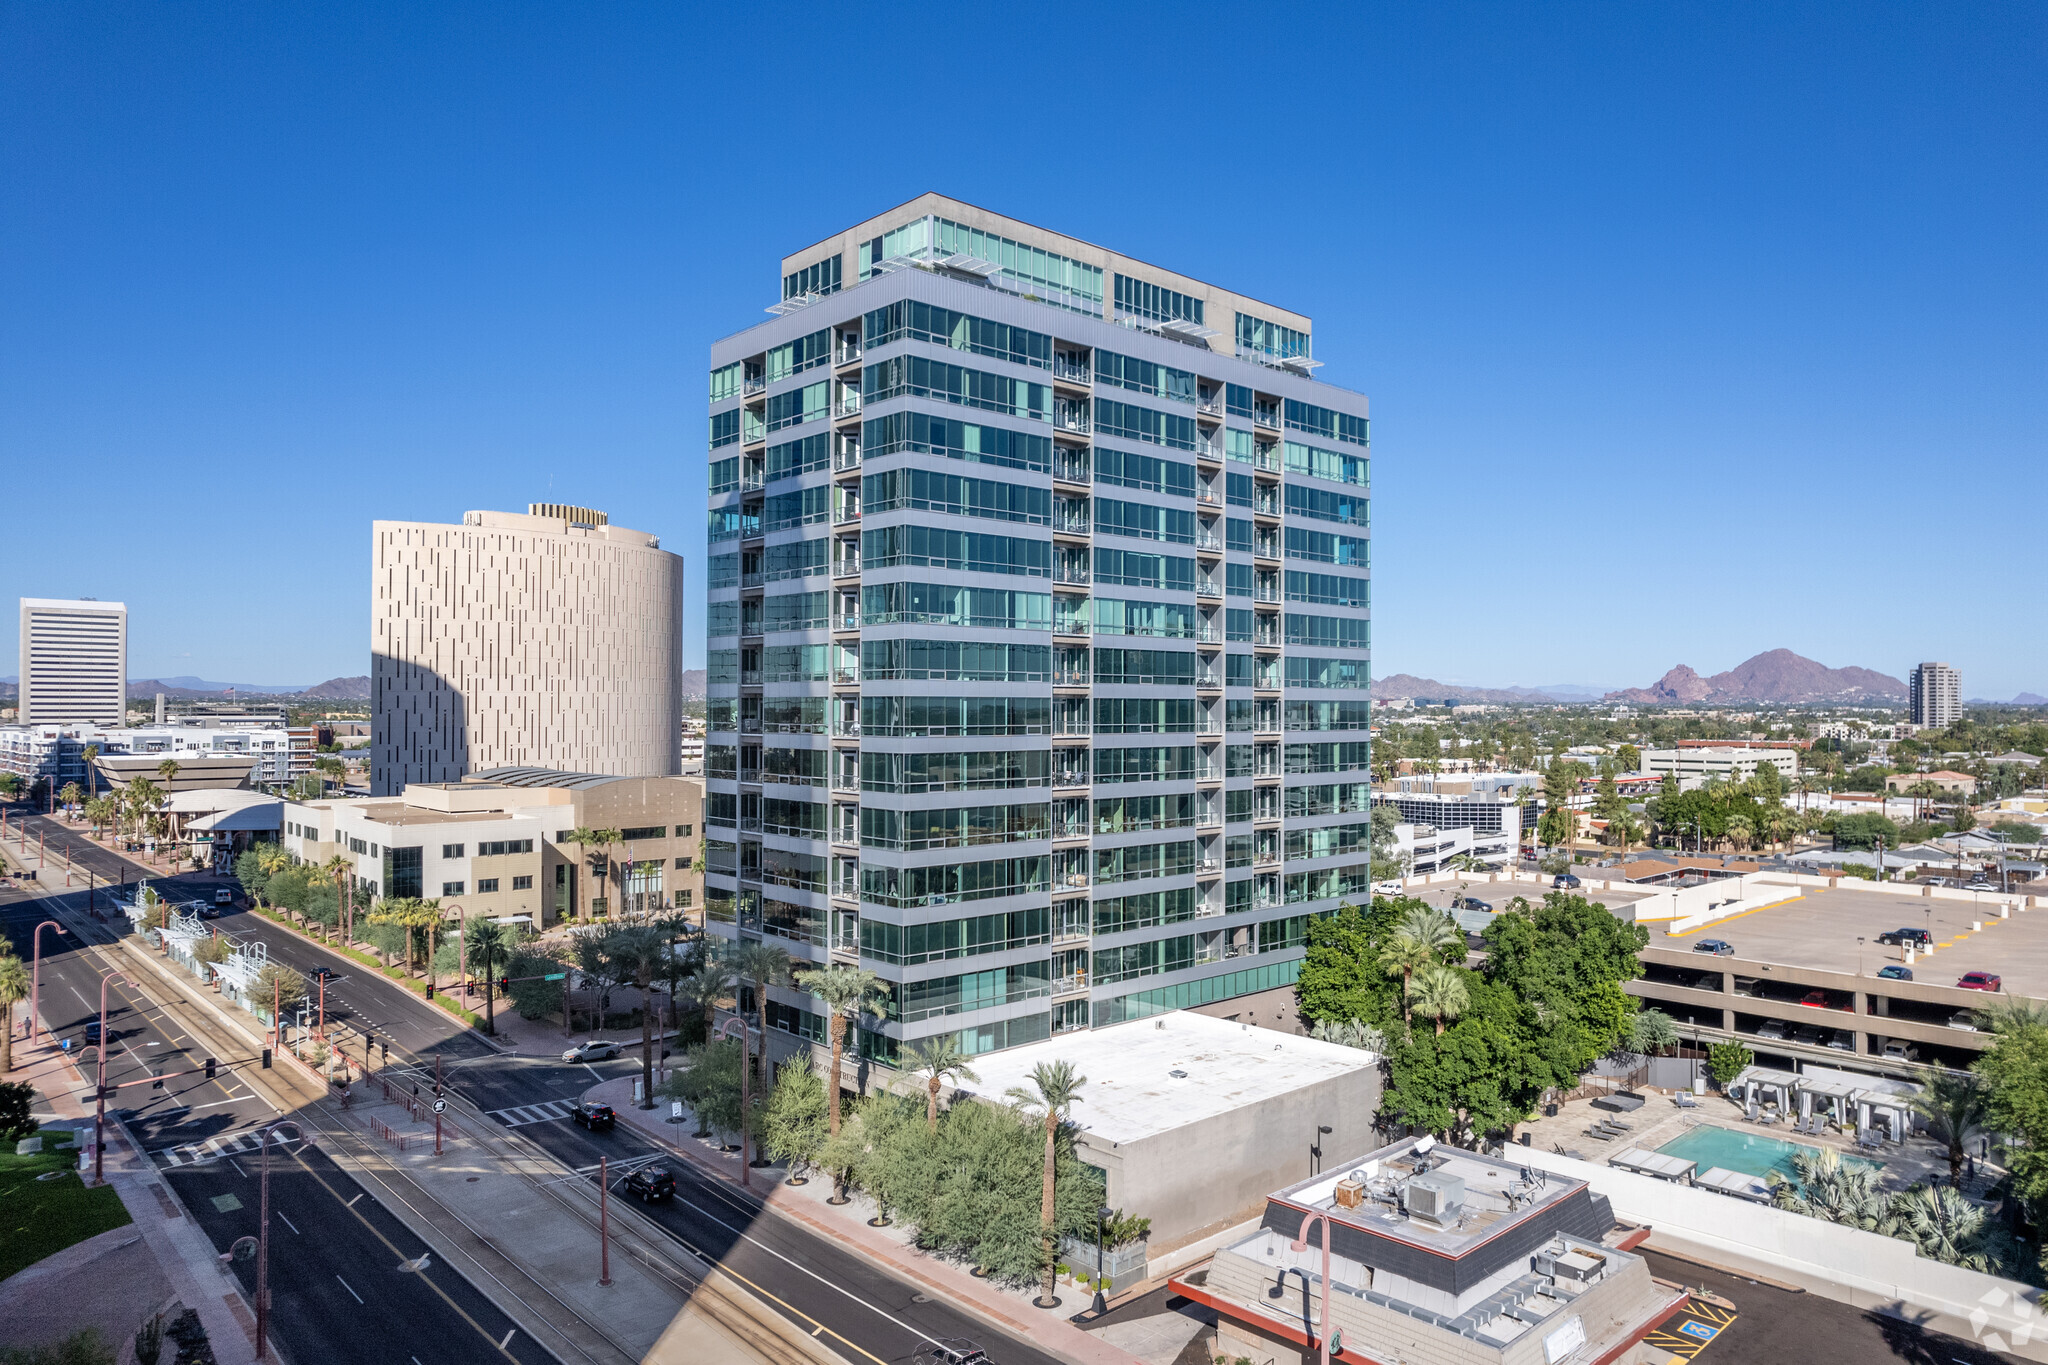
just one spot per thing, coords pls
(1690, 331)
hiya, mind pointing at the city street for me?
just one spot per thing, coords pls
(807, 1278)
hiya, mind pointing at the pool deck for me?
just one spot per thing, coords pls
(1659, 1121)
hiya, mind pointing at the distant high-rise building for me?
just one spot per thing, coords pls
(1937, 693)
(74, 661)
(1038, 649)
(549, 640)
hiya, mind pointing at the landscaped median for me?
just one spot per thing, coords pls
(354, 954)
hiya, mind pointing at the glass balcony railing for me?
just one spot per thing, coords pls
(1070, 372)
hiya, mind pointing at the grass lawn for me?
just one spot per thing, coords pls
(38, 1217)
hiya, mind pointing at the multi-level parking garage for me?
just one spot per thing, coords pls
(1803, 980)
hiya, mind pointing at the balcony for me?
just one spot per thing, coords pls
(1209, 867)
(1071, 418)
(847, 406)
(847, 730)
(1067, 372)
(845, 676)
(1208, 587)
(754, 384)
(1070, 677)
(1071, 466)
(1076, 574)
(846, 353)
(1208, 635)
(1208, 679)
(847, 566)
(752, 479)
(750, 580)
(1074, 984)
(750, 677)
(1210, 407)
(1208, 541)
(848, 456)
(1266, 415)
(846, 620)
(1073, 524)
(1072, 625)
(1206, 449)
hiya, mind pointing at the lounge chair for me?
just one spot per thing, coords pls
(1602, 1134)
(1685, 1101)
(1618, 1125)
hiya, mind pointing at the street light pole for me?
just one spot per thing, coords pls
(1315, 1149)
(99, 1121)
(35, 994)
(1102, 1217)
(604, 1221)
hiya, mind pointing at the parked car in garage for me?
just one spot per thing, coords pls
(1772, 1029)
(1896, 1051)
(1966, 1020)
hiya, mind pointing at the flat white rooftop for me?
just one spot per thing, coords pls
(1151, 1076)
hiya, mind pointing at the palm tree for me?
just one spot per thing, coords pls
(1831, 1190)
(1954, 1106)
(939, 1058)
(1740, 830)
(1440, 994)
(1417, 941)
(71, 795)
(1058, 1091)
(485, 944)
(1650, 1032)
(14, 988)
(338, 870)
(847, 992)
(764, 965)
(597, 862)
(639, 951)
(90, 753)
(704, 986)
(1943, 1224)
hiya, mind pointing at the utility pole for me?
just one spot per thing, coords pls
(604, 1222)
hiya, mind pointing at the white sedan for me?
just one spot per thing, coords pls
(596, 1050)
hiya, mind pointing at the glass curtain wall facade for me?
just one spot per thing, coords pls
(1036, 639)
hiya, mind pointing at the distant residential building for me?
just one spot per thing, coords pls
(1724, 762)
(1935, 695)
(74, 661)
(1951, 782)
(207, 758)
(1493, 819)
(550, 640)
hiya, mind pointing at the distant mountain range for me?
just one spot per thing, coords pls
(1777, 677)
(694, 684)
(1408, 687)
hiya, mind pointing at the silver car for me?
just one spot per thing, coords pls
(595, 1050)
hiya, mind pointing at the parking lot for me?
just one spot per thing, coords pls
(1499, 893)
(1822, 929)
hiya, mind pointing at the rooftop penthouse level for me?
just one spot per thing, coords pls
(1435, 1254)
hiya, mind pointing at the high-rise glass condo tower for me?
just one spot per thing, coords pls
(1039, 632)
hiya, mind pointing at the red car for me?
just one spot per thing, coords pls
(1982, 981)
(1817, 999)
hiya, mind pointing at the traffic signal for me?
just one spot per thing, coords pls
(504, 984)
(266, 1059)
(210, 1065)
(430, 990)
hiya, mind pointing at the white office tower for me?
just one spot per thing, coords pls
(549, 640)
(1937, 692)
(74, 661)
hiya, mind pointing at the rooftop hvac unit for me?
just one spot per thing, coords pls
(1436, 1198)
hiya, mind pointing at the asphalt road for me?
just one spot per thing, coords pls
(809, 1279)
(1780, 1327)
(347, 1282)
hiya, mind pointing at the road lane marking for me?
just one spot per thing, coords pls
(372, 1230)
(352, 1293)
(288, 1223)
(238, 1167)
(352, 1203)
(508, 1339)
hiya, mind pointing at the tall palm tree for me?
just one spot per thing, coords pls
(1955, 1105)
(89, 754)
(338, 870)
(486, 944)
(1057, 1092)
(847, 992)
(764, 965)
(939, 1059)
(1440, 994)
(1417, 941)
(704, 986)
(14, 988)
(594, 844)
(638, 951)
(71, 795)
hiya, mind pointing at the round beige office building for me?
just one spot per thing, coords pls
(548, 640)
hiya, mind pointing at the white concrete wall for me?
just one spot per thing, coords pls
(1840, 1263)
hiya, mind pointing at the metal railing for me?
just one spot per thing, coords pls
(1065, 573)
(848, 456)
(1071, 466)
(846, 353)
(1072, 373)
(754, 383)
(847, 406)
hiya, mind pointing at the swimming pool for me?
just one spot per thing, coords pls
(1751, 1153)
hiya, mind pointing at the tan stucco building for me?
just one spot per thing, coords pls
(500, 843)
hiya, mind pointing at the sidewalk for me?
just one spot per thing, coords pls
(893, 1247)
(184, 1258)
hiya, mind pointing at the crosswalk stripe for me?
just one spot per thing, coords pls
(519, 1115)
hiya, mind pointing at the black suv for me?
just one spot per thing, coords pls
(595, 1117)
(1470, 903)
(651, 1185)
(1919, 938)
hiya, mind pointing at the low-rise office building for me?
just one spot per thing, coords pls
(1437, 1255)
(1727, 763)
(1494, 818)
(505, 842)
